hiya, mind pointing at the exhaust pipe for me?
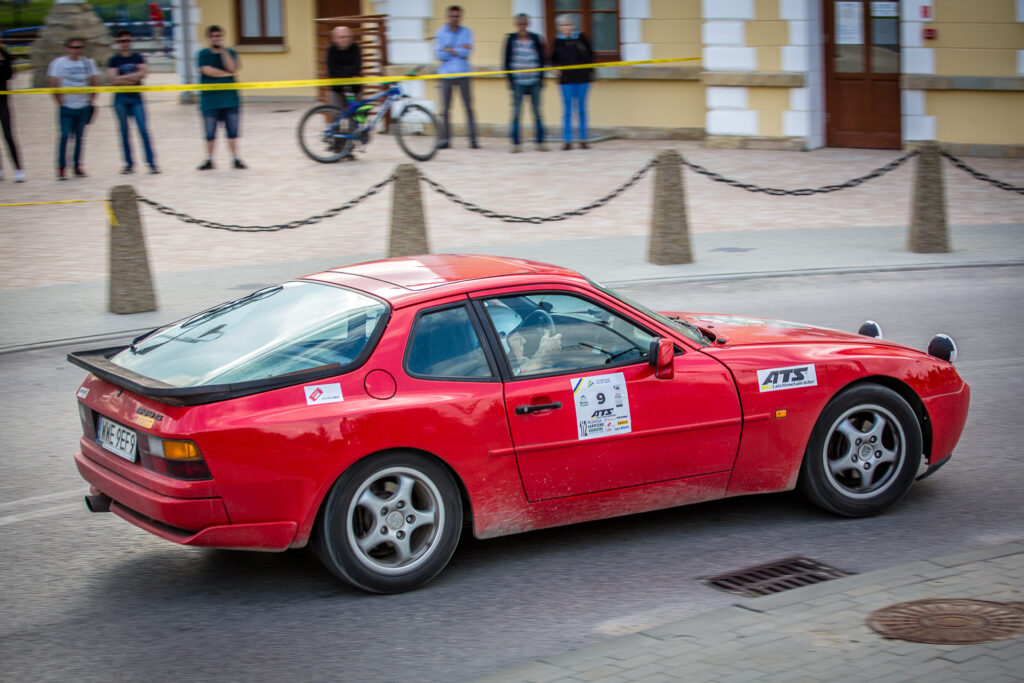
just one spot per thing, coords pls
(99, 502)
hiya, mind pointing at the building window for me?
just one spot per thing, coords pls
(599, 19)
(260, 21)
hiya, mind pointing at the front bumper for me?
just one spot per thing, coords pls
(188, 513)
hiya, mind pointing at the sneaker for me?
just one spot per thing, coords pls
(19, 176)
(79, 172)
(61, 174)
(443, 145)
(541, 147)
(584, 145)
(239, 164)
(127, 170)
(516, 149)
(153, 170)
(474, 145)
(566, 145)
(206, 166)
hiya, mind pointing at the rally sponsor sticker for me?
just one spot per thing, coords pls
(602, 405)
(317, 394)
(83, 392)
(793, 377)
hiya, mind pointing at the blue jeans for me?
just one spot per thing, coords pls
(533, 90)
(133, 108)
(574, 94)
(72, 122)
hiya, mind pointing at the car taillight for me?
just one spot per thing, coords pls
(88, 421)
(178, 459)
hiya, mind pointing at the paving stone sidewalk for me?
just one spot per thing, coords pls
(815, 633)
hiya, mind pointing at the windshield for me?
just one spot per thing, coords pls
(684, 328)
(272, 332)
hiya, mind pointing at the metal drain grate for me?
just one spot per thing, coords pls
(775, 577)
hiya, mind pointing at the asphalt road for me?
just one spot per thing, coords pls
(90, 597)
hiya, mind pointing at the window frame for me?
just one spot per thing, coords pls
(481, 335)
(494, 339)
(261, 39)
(586, 25)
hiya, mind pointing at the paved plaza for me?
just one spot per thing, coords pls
(54, 244)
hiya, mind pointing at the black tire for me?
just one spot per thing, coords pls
(315, 134)
(418, 132)
(864, 452)
(365, 535)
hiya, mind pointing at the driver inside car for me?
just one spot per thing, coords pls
(548, 346)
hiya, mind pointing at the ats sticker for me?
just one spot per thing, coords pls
(323, 393)
(602, 405)
(792, 377)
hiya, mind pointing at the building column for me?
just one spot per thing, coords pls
(725, 49)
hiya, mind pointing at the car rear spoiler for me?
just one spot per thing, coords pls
(97, 361)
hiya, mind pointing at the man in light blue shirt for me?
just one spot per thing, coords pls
(453, 44)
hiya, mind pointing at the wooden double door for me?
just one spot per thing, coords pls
(862, 74)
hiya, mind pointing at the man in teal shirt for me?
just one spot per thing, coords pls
(219, 64)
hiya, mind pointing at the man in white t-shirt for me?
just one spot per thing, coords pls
(73, 71)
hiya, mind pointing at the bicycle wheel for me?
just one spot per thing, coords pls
(418, 132)
(319, 132)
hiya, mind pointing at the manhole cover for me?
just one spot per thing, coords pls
(775, 577)
(949, 621)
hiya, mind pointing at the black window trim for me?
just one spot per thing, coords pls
(495, 342)
(481, 336)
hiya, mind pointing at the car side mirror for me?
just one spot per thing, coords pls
(663, 354)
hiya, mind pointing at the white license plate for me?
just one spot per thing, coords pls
(117, 439)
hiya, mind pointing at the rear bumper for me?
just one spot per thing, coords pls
(188, 521)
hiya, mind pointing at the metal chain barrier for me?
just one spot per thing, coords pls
(331, 213)
(802, 192)
(509, 218)
(982, 176)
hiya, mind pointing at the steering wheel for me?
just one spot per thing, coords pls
(532, 329)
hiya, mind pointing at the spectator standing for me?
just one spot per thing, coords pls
(453, 43)
(75, 109)
(523, 50)
(344, 60)
(219, 64)
(572, 47)
(130, 68)
(6, 72)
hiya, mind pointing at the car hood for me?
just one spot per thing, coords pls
(744, 330)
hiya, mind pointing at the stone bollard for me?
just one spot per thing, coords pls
(131, 285)
(928, 234)
(670, 228)
(408, 221)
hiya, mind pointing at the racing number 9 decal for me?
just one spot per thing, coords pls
(596, 414)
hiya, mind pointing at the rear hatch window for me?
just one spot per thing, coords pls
(272, 332)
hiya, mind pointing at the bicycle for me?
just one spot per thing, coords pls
(327, 133)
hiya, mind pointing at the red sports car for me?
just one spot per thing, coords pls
(374, 409)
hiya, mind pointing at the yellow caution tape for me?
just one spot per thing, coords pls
(319, 82)
(65, 201)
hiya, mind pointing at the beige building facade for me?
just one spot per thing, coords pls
(779, 74)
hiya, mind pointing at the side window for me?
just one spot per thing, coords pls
(543, 333)
(444, 344)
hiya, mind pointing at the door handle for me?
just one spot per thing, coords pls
(527, 409)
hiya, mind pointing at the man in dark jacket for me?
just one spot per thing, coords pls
(523, 50)
(6, 72)
(572, 47)
(344, 60)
